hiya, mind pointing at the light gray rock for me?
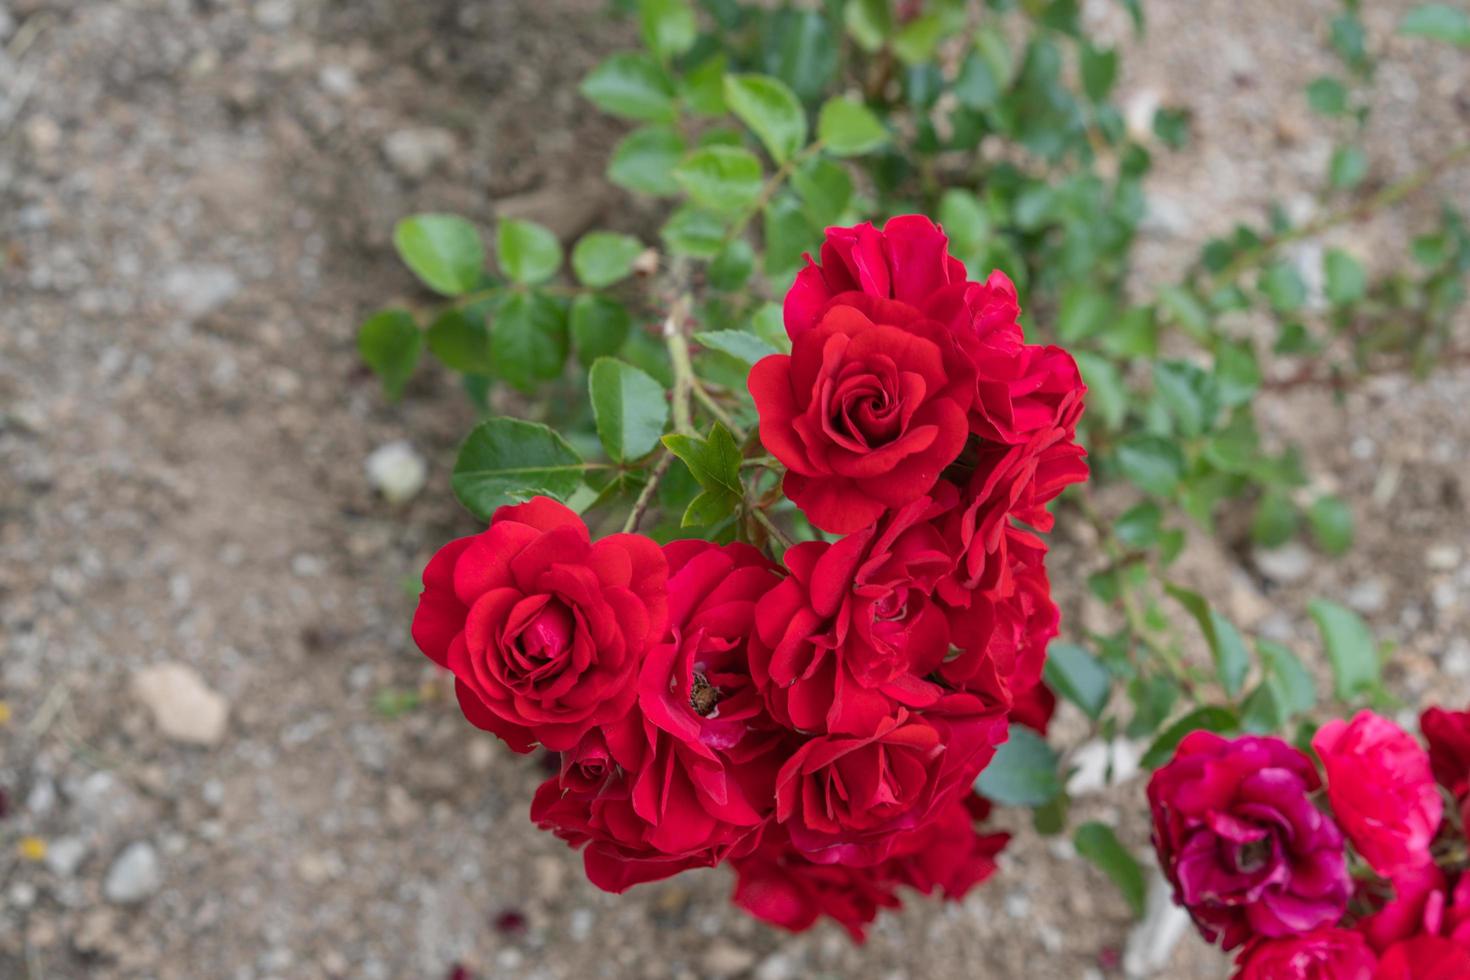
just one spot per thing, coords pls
(64, 855)
(1289, 563)
(415, 152)
(397, 471)
(134, 876)
(182, 705)
(199, 289)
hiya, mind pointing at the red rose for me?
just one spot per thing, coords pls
(1238, 837)
(908, 261)
(776, 884)
(1002, 632)
(686, 778)
(543, 629)
(865, 412)
(844, 799)
(1381, 790)
(1034, 708)
(1424, 958)
(852, 633)
(1416, 906)
(1323, 954)
(1448, 735)
(946, 854)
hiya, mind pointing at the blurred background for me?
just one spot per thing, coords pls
(220, 755)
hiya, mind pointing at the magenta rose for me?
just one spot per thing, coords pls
(543, 629)
(1381, 789)
(1237, 835)
(1321, 954)
(1424, 958)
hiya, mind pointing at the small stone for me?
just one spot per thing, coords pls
(200, 289)
(725, 959)
(1442, 557)
(43, 134)
(397, 471)
(1289, 563)
(1368, 596)
(183, 707)
(581, 925)
(65, 855)
(414, 153)
(22, 895)
(274, 14)
(134, 876)
(307, 566)
(337, 80)
(550, 876)
(777, 966)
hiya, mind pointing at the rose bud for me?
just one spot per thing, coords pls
(1381, 789)
(1240, 840)
(543, 629)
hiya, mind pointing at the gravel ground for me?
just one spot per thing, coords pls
(195, 203)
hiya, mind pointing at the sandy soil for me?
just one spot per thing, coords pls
(195, 203)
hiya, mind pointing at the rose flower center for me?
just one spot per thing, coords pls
(549, 633)
(1253, 855)
(703, 696)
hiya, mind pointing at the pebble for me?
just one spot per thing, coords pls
(1368, 596)
(183, 706)
(581, 924)
(725, 959)
(1289, 563)
(777, 966)
(1442, 557)
(200, 289)
(65, 855)
(134, 876)
(397, 471)
(274, 14)
(414, 153)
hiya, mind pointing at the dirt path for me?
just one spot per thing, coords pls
(195, 200)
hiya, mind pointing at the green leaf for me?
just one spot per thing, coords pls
(725, 179)
(848, 128)
(788, 234)
(1099, 71)
(528, 342)
(869, 22)
(644, 161)
(1348, 167)
(1186, 310)
(965, 222)
(715, 464)
(693, 232)
(1077, 676)
(389, 342)
(738, 344)
(1237, 375)
(1227, 648)
(443, 250)
(506, 461)
(1293, 686)
(599, 327)
(915, 41)
(1153, 698)
(668, 26)
(1261, 712)
(1283, 286)
(1172, 127)
(461, 342)
(1209, 718)
(1350, 40)
(630, 408)
(1275, 522)
(1328, 96)
(1346, 281)
(977, 86)
(1439, 21)
(602, 258)
(1332, 524)
(800, 48)
(731, 269)
(1152, 463)
(1023, 772)
(825, 190)
(529, 253)
(770, 109)
(703, 88)
(1097, 842)
(1085, 312)
(1350, 648)
(633, 86)
(1189, 393)
(1107, 396)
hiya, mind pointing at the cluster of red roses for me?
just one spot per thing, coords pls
(1259, 865)
(819, 726)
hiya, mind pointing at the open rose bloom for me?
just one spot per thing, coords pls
(1356, 870)
(817, 724)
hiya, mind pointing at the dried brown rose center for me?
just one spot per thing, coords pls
(1254, 855)
(703, 696)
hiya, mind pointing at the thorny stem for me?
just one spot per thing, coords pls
(765, 521)
(640, 506)
(1361, 211)
(678, 346)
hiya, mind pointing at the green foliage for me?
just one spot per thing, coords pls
(389, 343)
(443, 250)
(629, 406)
(1350, 649)
(602, 258)
(771, 110)
(1098, 844)
(506, 461)
(1023, 772)
(528, 253)
(1439, 21)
